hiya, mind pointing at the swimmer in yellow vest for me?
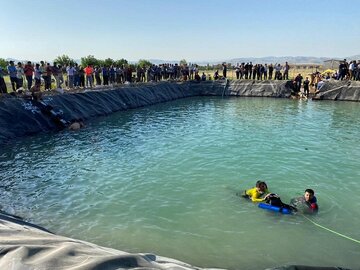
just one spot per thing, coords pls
(257, 193)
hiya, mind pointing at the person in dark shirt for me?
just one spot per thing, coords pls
(307, 203)
(3, 88)
(306, 85)
(224, 69)
(298, 81)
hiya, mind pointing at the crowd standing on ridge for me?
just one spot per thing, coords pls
(75, 76)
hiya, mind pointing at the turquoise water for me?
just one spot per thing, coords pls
(163, 179)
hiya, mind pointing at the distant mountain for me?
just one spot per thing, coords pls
(281, 60)
(262, 60)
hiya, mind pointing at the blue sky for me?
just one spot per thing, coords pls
(195, 30)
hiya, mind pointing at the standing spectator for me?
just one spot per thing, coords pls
(97, 72)
(81, 77)
(130, 71)
(191, 72)
(76, 76)
(278, 75)
(250, 66)
(352, 70)
(43, 72)
(246, 71)
(138, 74)
(29, 73)
(358, 70)
(60, 76)
(306, 86)
(89, 76)
(19, 75)
(224, 69)
(112, 74)
(3, 88)
(254, 71)
(342, 70)
(37, 75)
(13, 75)
(259, 72)
(271, 69)
(237, 71)
(242, 71)
(116, 75)
(56, 73)
(286, 71)
(105, 74)
(142, 76)
(70, 71)
(49, 72)
(265, 71)
(298, 81)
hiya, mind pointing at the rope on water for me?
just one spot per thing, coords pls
(329, 230)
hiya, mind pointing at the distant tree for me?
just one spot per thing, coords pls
(101, 63)
(108, 62)
(183, 62)
(121, 62)
(3, 63)
(89, 60)
(144, 63)
(64, 60)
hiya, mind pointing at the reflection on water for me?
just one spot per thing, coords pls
(163, 179)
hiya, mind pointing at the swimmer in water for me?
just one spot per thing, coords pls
(76, 125)
(259, 193)
(308, 201)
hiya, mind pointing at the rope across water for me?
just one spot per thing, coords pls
(332, 231)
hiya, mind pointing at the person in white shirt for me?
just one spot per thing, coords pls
(70, 71)
(20, 75)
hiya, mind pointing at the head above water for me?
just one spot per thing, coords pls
(261, 186)
(309, 194)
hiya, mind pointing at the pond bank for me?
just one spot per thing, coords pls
(27, 246)
(21, 117)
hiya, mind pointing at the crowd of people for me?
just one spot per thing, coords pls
(74, 76)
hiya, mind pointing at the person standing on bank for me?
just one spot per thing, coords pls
(13, 75)
(19, 75)
(37, 75)
(89, 76)
(48, 73)
(29, 72)
(298, 81)
(3, 88)
(224, 69)
(286, 71)
(306, 85)
(70, 70)
(271, 69)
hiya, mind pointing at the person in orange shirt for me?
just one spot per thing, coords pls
(89, 75)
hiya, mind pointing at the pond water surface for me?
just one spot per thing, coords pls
(164, 178)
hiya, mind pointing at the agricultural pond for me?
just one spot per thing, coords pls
(163, 179)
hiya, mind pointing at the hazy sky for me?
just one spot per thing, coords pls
(194, 30)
